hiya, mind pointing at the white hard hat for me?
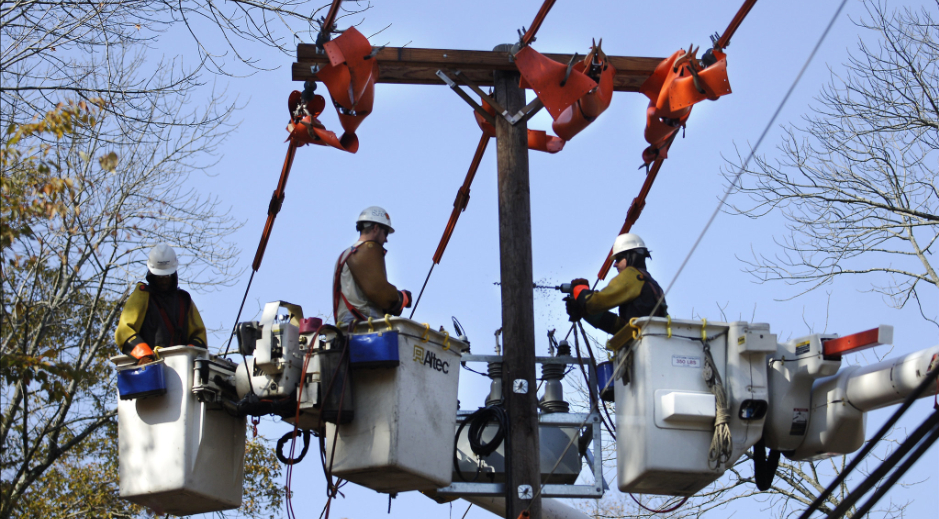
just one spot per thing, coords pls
(162, 260)
(627, 241)
(376, 214)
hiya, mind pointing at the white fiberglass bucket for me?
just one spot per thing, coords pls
(401, 438)
(175, 455)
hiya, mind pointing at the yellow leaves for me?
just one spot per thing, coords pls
(109, 162)
(33, 187)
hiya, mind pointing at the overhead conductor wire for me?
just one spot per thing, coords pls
(707, 226)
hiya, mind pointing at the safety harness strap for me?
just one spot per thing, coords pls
(337, 287)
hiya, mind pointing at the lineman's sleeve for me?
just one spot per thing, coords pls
(135, 309)
(368, 269)
(196, 327)
(626, 286)
(606, 321)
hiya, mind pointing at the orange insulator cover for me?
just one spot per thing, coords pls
(712, 80)
(545, 76)
(307, 129)
(673, 88)
(350, 77)
(538, 140)
(583, 112)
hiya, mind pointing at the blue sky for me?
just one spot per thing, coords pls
(415, 149)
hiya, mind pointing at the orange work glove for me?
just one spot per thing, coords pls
(142, 353)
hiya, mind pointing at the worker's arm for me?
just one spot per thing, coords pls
(196, 327)
(368, 269)
(606, 321)
(135, 309)
(626, 286)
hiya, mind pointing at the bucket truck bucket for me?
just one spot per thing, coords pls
(402, 436)
(665, 411)
(178, 455)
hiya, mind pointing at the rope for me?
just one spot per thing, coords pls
(722, 445)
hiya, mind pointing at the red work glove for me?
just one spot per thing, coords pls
(577, 286)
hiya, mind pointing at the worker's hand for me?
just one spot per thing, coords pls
(404, 301)
(142, 361)
(141, 350)
(580, 287)
(574, 311)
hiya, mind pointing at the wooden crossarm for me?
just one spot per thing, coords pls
(405, 65)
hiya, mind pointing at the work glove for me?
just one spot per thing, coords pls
(142, 353)
(574, 311)
(580, 287)
(404, 301)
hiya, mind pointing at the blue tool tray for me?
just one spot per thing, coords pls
(141, 381)
(374, 350)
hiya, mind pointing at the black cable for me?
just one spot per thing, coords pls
(422, 291)
(608, 420)
(240, 308)
(463, 364)
(915, 394)
(283, 441)
(898, 473)
(764, 467)
(478, 421)
(874, 477)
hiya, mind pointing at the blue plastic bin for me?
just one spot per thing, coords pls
(141, 381)
(374, 350)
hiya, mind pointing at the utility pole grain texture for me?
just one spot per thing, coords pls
(523, 474)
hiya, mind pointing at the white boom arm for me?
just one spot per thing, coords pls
(887, 382)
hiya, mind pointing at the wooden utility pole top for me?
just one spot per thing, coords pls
(404, 65)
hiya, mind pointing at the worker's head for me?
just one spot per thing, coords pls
(374, 224)
(161, 267)
(629, 251)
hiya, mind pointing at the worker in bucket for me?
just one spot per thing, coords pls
(360, 284)
(633, 291)
(159, 313)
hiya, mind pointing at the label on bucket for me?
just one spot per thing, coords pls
(685, 361)
(430, 360)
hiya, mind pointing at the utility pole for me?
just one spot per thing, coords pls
(522, 454)
(413, 66)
